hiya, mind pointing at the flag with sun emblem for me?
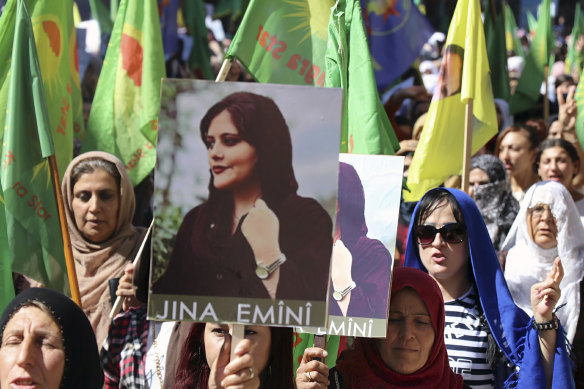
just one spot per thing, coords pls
(31, 217)
(56, 41)
(283, 41)
(124, 114)
(464, 76)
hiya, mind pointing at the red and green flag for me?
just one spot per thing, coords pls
(528, 88)
(31, 217)
(124, 114)
(56, 40)
(464, 76)
(365, 126)
(284, 41)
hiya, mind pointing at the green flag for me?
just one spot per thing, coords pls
(283, 41)
(575, 58)
(464, 75)
(579, 96)
(365, 128)
(527, 92)
(512, 41)
(124, 114)
(103, 16)
(32, 220)
(497, 53)
(57, 52)
(200, 60)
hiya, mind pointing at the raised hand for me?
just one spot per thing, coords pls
(545, 294)
(238, 373)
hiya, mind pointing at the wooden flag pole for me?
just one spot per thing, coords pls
(224, 70)
(238, 332)
(467, 145)
(546, 100)
(73, 284)
(119, 300)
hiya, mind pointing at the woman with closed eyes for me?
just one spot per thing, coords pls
(254, 236)
(490, 341)
(100, 207)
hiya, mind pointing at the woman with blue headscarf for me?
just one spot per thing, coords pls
(490, 341)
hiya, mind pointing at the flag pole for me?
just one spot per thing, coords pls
(238, 331)
(546, 101)
(467, 145)
(224, 70)
(119, 300)
(73, 284)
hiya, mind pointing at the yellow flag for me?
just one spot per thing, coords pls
(464, 75)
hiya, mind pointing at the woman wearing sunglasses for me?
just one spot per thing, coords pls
(491, 342)
(548, 226)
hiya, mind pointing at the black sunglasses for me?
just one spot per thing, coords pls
(450, 232)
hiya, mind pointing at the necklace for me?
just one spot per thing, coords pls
(156, 356)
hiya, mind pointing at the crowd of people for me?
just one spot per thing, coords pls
(486, 286)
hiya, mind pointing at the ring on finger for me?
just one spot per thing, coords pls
(251, 373)
(308, 376)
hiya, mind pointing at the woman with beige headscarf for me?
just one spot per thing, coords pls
(100, 201)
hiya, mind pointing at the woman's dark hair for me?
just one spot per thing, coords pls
(562, 143)
(351, 215)
(193, 370)
(92, 164)
(531, 134)
(431, 200)
(260, 123)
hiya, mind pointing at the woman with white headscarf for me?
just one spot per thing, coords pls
(547, 226)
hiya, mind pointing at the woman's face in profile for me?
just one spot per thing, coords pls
(231, 158)
(96, 202)
(259, 336)
(32, 353)
(410, 334)
(516, 153)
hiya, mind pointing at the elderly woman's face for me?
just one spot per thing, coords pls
(231, 158)
(96, 202)
(555, 164)
(32, 353)
(410, 334)
(542, 226)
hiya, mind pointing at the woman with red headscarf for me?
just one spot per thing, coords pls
(412, 355)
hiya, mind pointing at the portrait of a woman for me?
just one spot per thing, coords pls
(254, 236)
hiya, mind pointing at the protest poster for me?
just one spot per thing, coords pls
(245, 195)
(365, 234)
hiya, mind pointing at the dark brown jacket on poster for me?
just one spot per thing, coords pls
(227, 269)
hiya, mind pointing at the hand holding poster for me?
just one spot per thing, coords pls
(256, 247)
